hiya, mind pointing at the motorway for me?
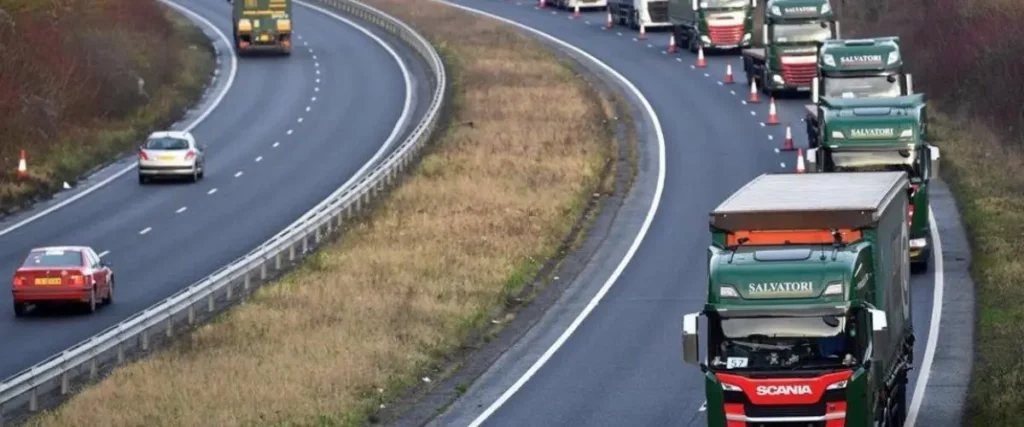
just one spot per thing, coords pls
(283, 134)
(620, 363)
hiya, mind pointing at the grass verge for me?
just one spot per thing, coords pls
(361, 321)
(66, 148)
(966, 57)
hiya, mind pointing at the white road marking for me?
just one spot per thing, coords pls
(212, 190)
(259, 159)
(181, 209)
(276, 144)
(104, 253)
(703, 406)
(146, 230)
(206, 113)
(318, 80)
(318, 72)
(732, 92)
(300, 120)
(753, 113)
(316, 64)
(308, 108)
(933, 328)
(289, 132)
(770, 137)
(636, 242)
(238, 174)
(314, 57)
(313, 99)
(316, 89)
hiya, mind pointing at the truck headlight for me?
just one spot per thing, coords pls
(837, 386)
(838, 135)
(747, 36)
(826, 8)
(907, 133)
(730, 387)
(829, 60)
(284, 25)
(705, 39)
(778, 79)
(727, 291)
(918, 243)
(244, 25)
(833, 289)
(776, 11)
(893, 57)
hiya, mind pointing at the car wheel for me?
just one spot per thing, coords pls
(110, 293)
(195, 174)
(91, 305)
(143, 179)
(20, 308)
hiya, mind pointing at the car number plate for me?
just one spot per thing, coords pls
(48, 281)
(166, 157)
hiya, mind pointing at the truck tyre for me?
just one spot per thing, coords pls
(691, 42)
(919, 266)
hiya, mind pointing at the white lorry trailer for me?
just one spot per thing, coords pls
(634, 13)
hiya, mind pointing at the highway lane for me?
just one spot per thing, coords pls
(289, 132)
(623, 365)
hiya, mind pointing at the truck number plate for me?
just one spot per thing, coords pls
(736, 362)
(264, 38)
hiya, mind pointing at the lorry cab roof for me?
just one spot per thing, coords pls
(839, 200)
(874, 106)
(798, 9)
(877, 54)
(781, 275)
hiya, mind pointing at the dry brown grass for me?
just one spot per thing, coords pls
(367, 315)
(69, 93)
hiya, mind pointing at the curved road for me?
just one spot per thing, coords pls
(620, 363)
(288, 132)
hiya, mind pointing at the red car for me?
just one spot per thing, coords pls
(62, 274)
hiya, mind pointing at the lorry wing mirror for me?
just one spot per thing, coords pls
(812, 155)
(838, 36)
(753, 4)
(933, 166)
(764, 35)
(691, 335)
(814, 90)
(910, 84)
(879, 330)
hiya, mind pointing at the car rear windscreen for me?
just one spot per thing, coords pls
(53, 259)
(166, 144)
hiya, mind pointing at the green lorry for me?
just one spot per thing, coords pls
(712, 24)
(808, 314)
(872, 134)
(262, 25)
(871, 68)
(790, 35)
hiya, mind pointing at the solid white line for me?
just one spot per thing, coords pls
(636, 242)
(146, 230)
(213, 105)
(933, 327)
(181, 209)
(104, 253)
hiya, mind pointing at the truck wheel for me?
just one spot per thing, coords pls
(691, 43)
(919, 267)
(899, 412)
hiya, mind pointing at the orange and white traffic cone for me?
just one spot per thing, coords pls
(728, 75)
(643, 32)
(787, 144)
(800, 161)
(608, 24)
(701, 62)
(22, 165)
(576, 11)
(753, 93)
(672, 43)
(773, 117)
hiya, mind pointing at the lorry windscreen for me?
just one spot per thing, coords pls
(862, 87)
(876, 161)
(723, 4)
(800, 33)
(780, 342)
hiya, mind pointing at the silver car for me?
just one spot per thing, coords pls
(171, 154)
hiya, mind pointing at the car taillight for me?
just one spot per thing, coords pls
(190, 154)
(910, 214)
(143, 156)
(19, 281)
(77, 280)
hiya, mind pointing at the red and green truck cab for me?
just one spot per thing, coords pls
(808, 318)
(882, 134)
(712, 24)
(790, 35)
(861, 68)
(262, 25)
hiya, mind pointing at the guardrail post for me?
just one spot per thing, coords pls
(277, 261)
(263, 271)
(291, 253)
(93, 366)
(33, 399)
(305, 244)
(192, 313)
(209, 303)
(317, 235)
(1, 414)
(145, 340)
(230, 292)
(170, 326)
(64, 386)
(120, 352)
(245, 284)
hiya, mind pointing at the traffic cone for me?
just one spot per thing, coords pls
(22, 166)
(701, 62)
(672, 43)
(728, 74)
(787, 145)
(800, 161)
(576, 11)
(643, 32)
(540, 4)
(753, 93)
(609, 23)
(773, 117)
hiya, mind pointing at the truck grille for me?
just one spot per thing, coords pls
(726, 34)
(815, 410)
(790, 424)
(658, 11)
(799, 74)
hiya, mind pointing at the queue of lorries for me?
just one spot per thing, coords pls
(807, 317)
(76, 274)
